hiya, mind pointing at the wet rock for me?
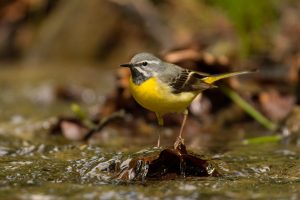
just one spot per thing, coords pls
(76, 129)
(73, 131)
(166, 164)
(71, 128)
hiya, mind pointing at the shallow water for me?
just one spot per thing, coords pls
(62, 171)
(35, 165)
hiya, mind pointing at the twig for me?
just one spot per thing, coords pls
(235, 97)
(116, 115)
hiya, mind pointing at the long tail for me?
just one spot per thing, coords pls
(213, 78)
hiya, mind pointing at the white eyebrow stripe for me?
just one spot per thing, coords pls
(153, 62)
(150, 61)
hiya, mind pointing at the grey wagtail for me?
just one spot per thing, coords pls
(167, 88)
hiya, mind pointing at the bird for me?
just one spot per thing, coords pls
(164, 87)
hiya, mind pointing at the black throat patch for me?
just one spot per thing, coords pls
(138, 77)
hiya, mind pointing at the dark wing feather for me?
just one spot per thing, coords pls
(188, 81)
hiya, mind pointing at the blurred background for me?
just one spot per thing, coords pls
(99, 31)
(69, 128)
(55, 52)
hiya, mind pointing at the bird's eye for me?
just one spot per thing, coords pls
(144, 63)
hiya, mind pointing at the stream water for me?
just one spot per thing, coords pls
(35, 165)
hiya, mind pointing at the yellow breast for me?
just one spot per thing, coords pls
(157, 97)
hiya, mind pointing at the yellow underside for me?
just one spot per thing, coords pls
(158, 97)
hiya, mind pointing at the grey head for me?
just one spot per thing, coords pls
(144, 66)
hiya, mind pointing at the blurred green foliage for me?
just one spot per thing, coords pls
(252, 19)
(263, 139)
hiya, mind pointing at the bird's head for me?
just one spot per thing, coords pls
(144, 66)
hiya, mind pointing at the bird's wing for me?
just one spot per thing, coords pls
(184, 80)
(188, 81)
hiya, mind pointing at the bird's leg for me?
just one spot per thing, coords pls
(185, 114)
(160, 121)
(179, 143)
(158, 140)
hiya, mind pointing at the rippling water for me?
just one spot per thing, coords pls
(35, 165)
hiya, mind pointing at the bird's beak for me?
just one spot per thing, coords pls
(127, 65)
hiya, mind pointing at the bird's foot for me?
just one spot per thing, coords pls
(179, 145)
